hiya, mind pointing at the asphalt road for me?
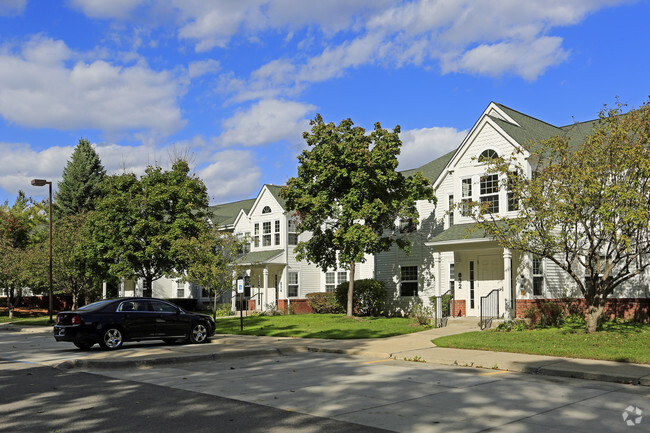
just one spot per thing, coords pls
(42, 399)
(308, 392)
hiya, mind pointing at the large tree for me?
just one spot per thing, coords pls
(22, 228)
(76, 270)
(79, 187)
(348, 194)
(139, 221)
(212, 262)
(584, 205)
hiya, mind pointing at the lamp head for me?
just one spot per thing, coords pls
(39, 182)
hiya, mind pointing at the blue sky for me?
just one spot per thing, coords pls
(234, 83)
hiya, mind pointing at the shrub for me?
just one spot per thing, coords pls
(224, 310)
(446, 304)
(368, 297)
(324, 303)
(546, 314)
(512, 325)
(422, 315)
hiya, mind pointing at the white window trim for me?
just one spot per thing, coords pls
(417, 281)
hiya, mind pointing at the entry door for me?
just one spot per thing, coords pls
(490, 276)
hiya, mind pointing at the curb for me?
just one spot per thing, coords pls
(151, 362)
(549, 368)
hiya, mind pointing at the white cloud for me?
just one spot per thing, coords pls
(120, 9)
(469, 36)
(12, 7)
(267, 121)
(420, 146)
(203, 67)
(40, 90)
(526, 59)
(232, 175)
(23, 163)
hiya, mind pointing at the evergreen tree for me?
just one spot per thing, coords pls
(79, 187)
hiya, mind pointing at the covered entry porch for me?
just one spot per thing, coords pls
(475, 268)
(264, 274)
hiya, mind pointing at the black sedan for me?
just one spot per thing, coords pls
(112, 322)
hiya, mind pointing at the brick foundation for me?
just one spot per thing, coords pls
(299, 306)
(459, 308)
(615, 308)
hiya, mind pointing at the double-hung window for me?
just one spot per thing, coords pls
(330, 281)
(256, 235)
(489, 193)
(277, 232)
(333, 279)
(466, 197)
(409, 281)
(292, 233)
(266, 234)
(292, 284)
(538, 276)
(451, 210)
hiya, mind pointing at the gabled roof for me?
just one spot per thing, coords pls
(431, 170)
(258, 257)
(226, 214)
(531, 130)
(275, 191)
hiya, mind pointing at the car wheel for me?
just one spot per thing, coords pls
(198, 333)
(112, 339)
(83, 346)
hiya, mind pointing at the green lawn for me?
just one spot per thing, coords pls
(319, 326)
(35, 321)
(626, 342)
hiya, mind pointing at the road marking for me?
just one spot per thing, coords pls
(494, 372)
(380, 360)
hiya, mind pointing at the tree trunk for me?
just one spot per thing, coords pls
(214, 305)
(10, 303)
(350, 308)
(595, 307)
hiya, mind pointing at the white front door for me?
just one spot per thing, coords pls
(485, 273)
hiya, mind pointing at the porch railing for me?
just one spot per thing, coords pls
(489, 308)
(443, 308)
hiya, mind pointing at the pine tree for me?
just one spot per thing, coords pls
(79, 187)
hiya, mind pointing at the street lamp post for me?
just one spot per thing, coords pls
(42, 182)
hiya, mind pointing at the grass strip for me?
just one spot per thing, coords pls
(336, 326)
(624, 342)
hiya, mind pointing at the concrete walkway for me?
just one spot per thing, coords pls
(411, 347)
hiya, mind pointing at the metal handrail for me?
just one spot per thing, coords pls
(489, 308)
(440, 317)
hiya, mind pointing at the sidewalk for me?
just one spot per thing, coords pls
(416, 346)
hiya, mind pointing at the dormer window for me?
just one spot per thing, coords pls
(267, 209)
(487, 155)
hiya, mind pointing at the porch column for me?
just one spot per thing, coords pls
(122, 282)
(507, 282)
(103, 289)
(436, 264)
(265, 282)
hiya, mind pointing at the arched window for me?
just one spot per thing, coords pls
(266, 209)
(487, 154)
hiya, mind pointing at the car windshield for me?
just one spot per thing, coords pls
(95, 306)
